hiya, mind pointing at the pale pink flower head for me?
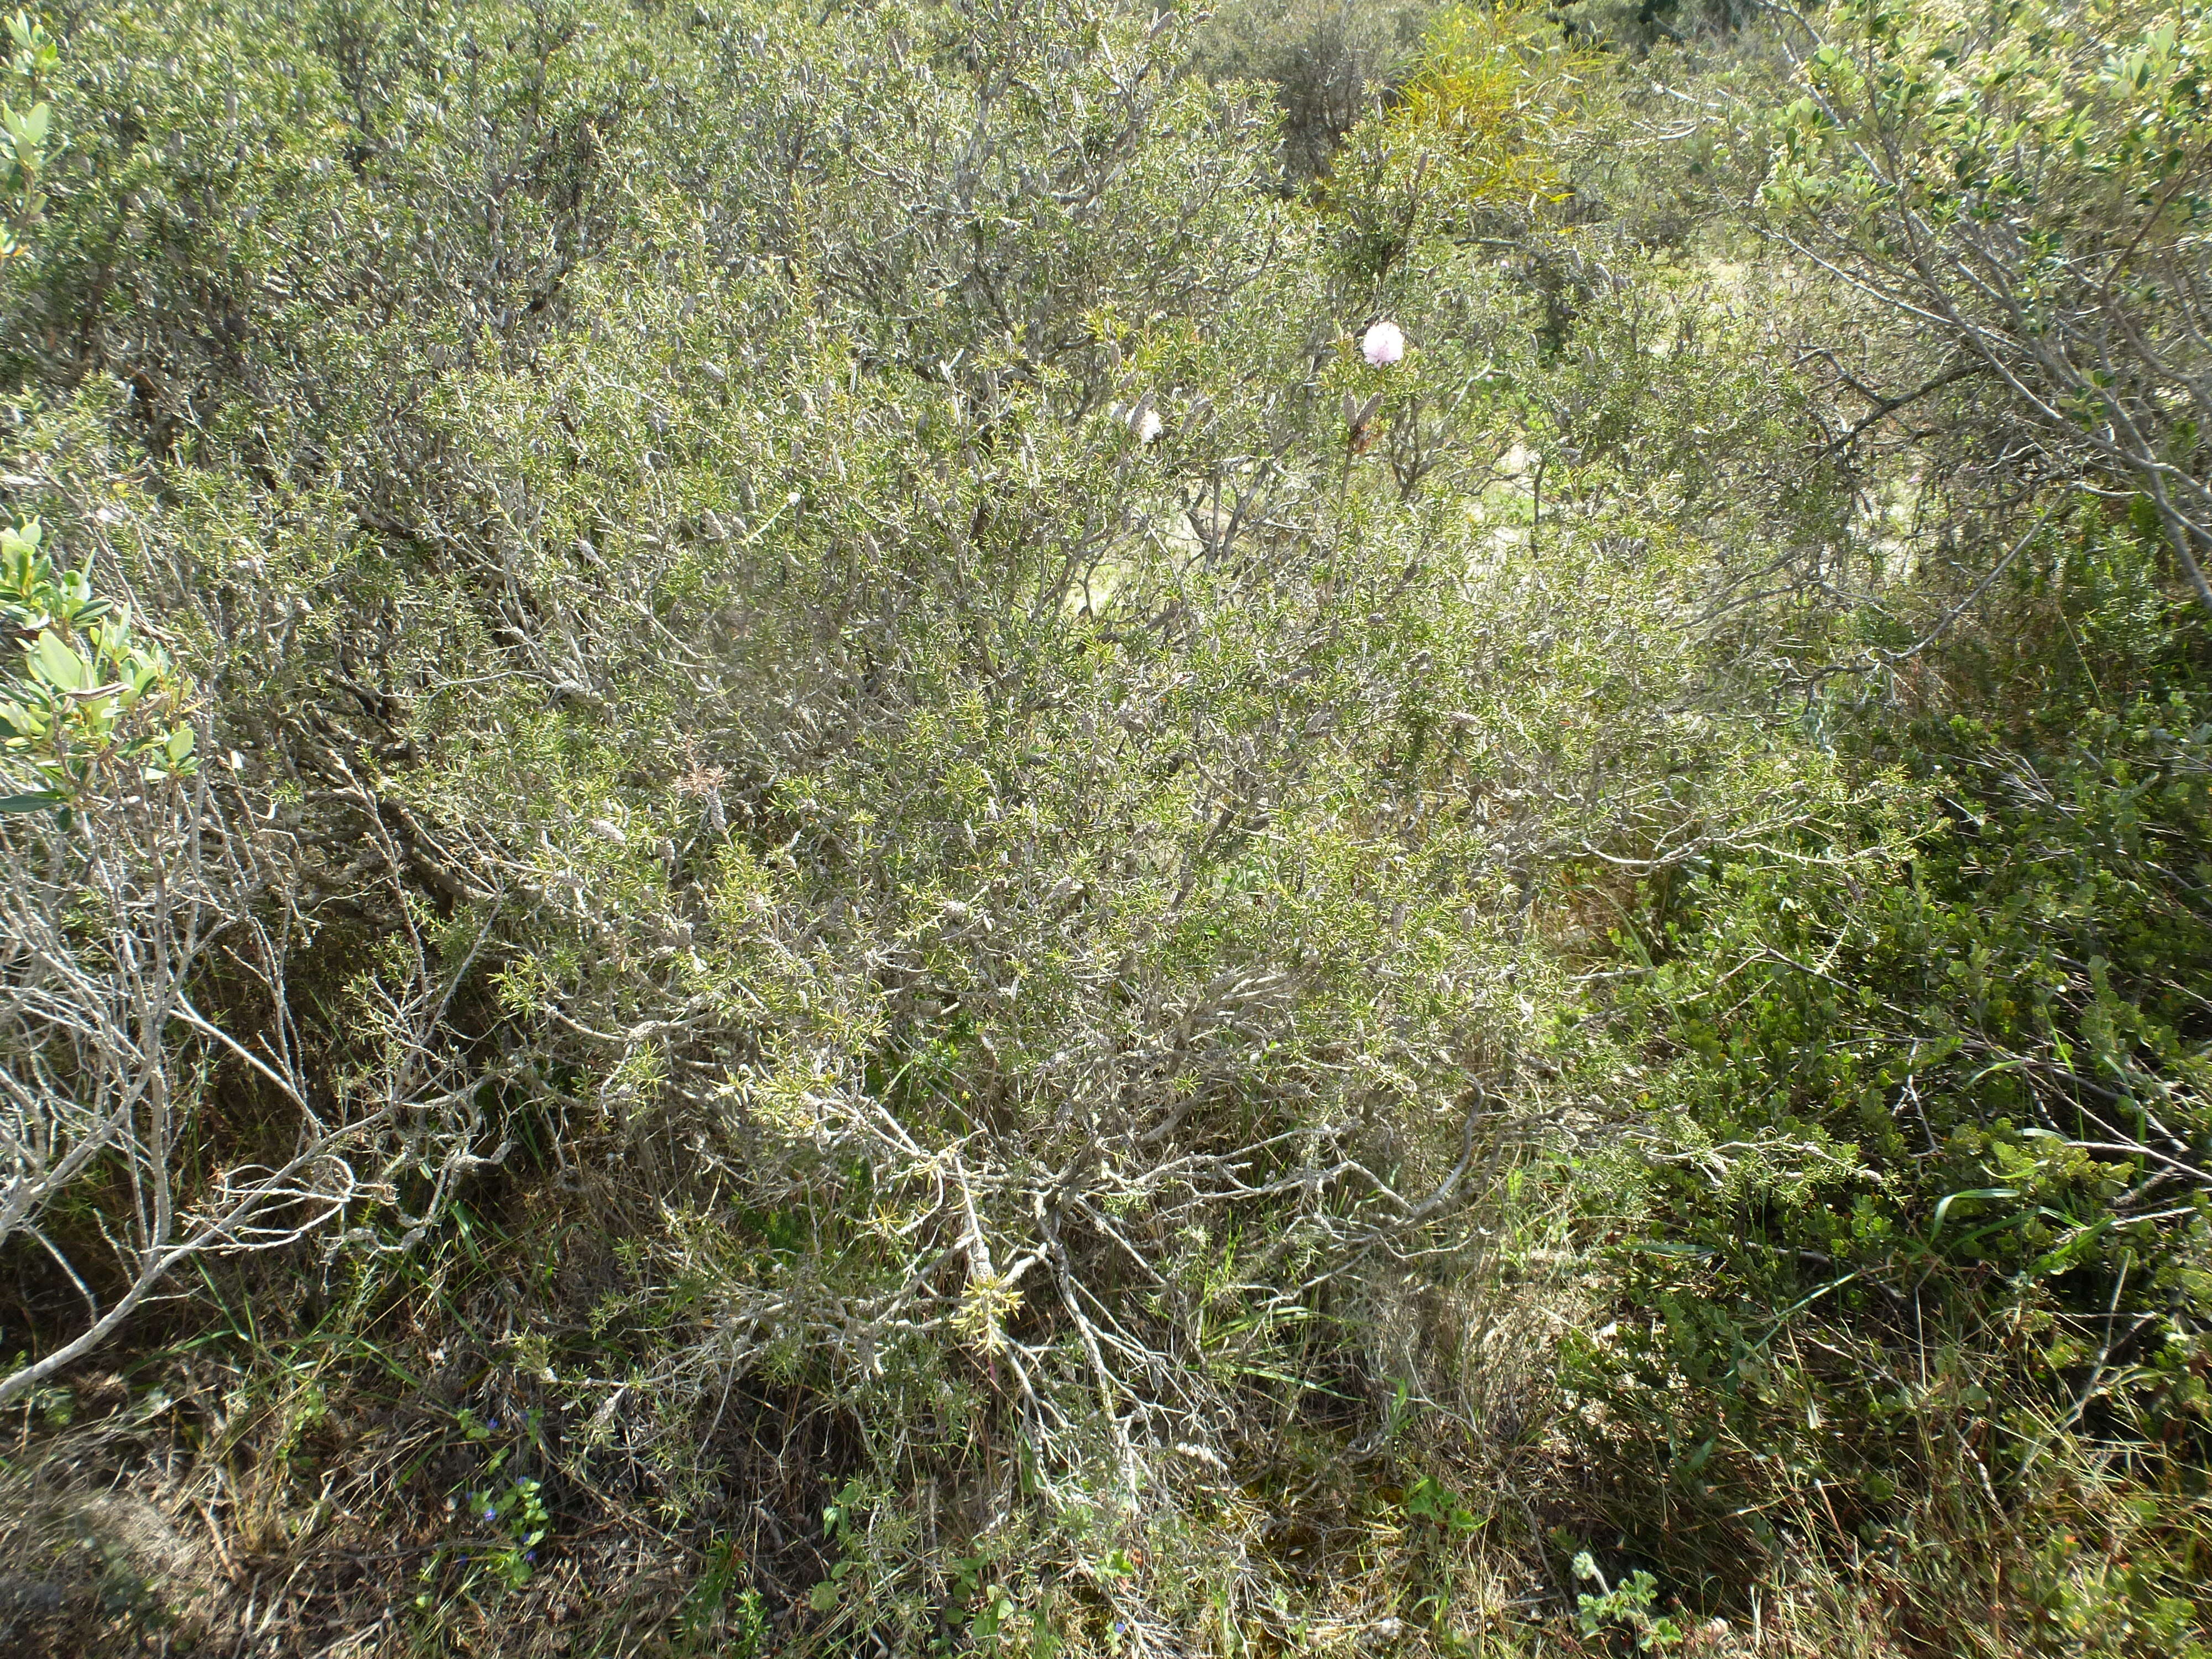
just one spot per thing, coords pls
(1384, 344)
(1148, 426)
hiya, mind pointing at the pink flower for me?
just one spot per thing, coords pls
(1384, 344)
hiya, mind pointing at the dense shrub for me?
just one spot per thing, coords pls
(844, 879)
(1329, 63)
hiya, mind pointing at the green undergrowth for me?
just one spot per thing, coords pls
(1914, 1257)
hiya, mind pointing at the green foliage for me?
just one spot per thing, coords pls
(1472, 144)
(90, 692)
(2029, 183)
(1990, 106)
(1627, 1604)
(1918, 1187)
(24, 133)
(1329, 63)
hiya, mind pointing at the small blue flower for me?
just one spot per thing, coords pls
(529, 1555)
(493, 1424)
(490, 1514)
